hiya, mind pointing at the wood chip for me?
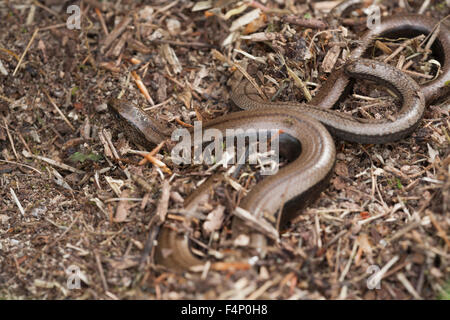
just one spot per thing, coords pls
(330, 58)
(214, 219)
(123, 207)
(171, 57)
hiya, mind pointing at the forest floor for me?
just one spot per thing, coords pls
(77, 203)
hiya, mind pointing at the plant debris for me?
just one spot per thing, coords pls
(75, 196)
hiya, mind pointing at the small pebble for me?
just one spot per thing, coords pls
(3, 71)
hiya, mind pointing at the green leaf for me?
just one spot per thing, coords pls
(81, 157)
(74, 91)
(270, 27)
(445, 294)
(94, 157)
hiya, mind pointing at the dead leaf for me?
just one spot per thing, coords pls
(214, 219)
(245, 19)
(256, 24)
(186, 97)
(123, 208)
(364, 243)
(432, 153)
(170, 56)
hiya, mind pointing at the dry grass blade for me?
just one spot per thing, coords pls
(25, 51)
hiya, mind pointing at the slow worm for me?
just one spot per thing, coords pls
(305, 125)
(409, 25)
